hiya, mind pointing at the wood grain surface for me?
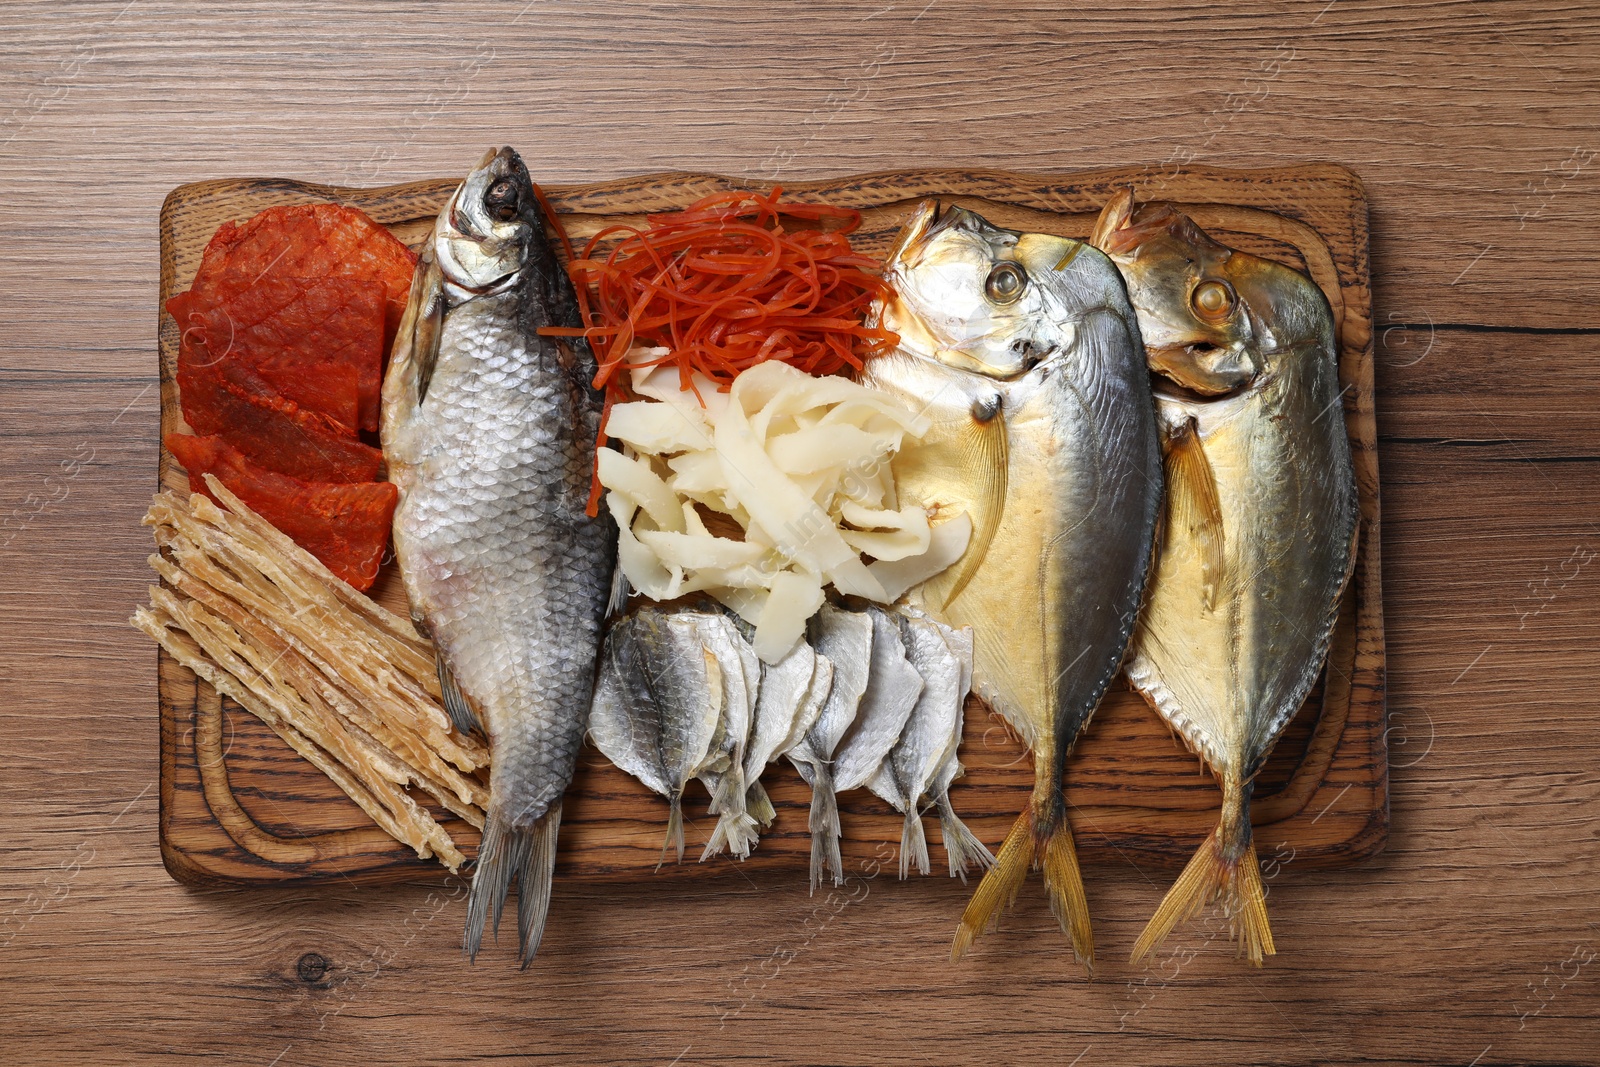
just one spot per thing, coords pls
(1470, 939)
(1133, 791)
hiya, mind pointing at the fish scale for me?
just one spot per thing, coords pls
(489, 433)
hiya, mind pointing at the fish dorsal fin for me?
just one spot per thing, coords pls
(455, 702)
(985, 456)
(1114, 216)
(1196, 509)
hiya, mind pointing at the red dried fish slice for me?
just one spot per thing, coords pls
(312, 242)
(225, 397)
(345, 526)
(286, 333)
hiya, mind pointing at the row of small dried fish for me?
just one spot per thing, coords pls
(871, 699)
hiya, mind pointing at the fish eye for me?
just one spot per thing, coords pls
(1213, 300)
(1006, 282)
(501, 200)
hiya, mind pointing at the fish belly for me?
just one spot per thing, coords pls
(508, 574)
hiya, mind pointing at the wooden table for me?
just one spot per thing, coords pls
(1471, 940)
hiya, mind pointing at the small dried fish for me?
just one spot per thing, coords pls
(893, 686)
(961, 845)
(723, 772)
(930, 737)
(657, 705)
(787, 703)
(845, 638)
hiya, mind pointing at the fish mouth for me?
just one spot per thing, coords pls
(1166, 388)
(1167, 380)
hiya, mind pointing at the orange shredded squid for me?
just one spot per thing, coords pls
(733, 280)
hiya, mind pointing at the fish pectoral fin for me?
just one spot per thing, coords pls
(1195, 507)
(460, 709)
(1115, 216)
(985, 459)
(416, 345)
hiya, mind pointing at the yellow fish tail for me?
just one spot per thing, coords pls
(1067, 901)
(1224, 869)
(1032, 842)
(998, 889)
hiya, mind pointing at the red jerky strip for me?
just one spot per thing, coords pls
(344, 526)
(318, 343)
(309, 243)
(225, 397)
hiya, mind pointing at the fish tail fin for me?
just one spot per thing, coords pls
(913, 843)
(735, 831)
(998, 889)
(674, 829)
(961, 845)
(824, 826)
(1064, 881)
(759, 804)
(1225, 869)
(527, 853)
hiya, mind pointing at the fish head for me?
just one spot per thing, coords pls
(492, 227)
(980, 298)
(1213, 318)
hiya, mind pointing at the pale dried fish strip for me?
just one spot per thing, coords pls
(448, 785)
(280, 669)
(343, 682)
(302, 584)
(396, 813)
(379, 677)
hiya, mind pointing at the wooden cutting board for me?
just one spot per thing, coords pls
(239, 807)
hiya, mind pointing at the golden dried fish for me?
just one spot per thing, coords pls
(1022, 351)
(1261, 521)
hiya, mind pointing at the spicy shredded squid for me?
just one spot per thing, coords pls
(733, 280)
